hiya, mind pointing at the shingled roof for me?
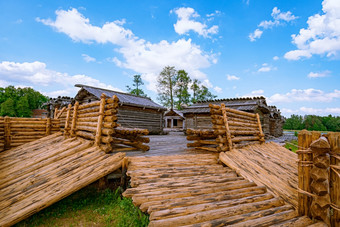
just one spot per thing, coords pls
(248, 104)
(124, 98)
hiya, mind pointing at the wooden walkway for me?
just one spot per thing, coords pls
(196, 190)
(40, 173)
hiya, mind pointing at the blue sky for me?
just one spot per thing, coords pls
(287, 51)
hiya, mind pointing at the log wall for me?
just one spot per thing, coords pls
(15, 131)
(230, 129)
(319, 184)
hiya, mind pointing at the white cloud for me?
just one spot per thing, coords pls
(232, 77)
(279, 18)
(145, 58)
(185, 23)
(255, 93)
(275, 58)
(218, 89)
(313, 111)
(36, 74)
(266, 68)
(322, 36)
(307, 95)
(318, 74)
(255, 35)
(88, 58)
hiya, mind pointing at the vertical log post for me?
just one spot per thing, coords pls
(123, 180)
(320, 180)
(334, 178)
(304, 167)
(74, 119)
(100, 120)
(48, 126)
(55, 113)
(261, 135)
(67, 121)
(225, 119)
(7, 128)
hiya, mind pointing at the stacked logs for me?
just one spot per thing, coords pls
(17, 131)
(126, 139)
(231, 129)
(97, 121)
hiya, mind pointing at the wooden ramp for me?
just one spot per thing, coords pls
(195, 190)
(37, 174)
(267, 164)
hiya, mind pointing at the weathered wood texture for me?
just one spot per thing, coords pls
(195, 190)
(267, 164)
(99, 121)
(15, 131)
(42, 172)
(230, 128)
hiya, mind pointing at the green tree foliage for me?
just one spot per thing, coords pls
(166, 83)
(313, 122)
(19, 102)
(195, 86)
(137, 83)
(200, 92)
(182, 89)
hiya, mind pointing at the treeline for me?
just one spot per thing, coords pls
(19, 102)
(313, 123)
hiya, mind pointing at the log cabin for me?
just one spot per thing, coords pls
(133, 111)
(174, 119)
(197, 116)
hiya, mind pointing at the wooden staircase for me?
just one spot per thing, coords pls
(196, 190)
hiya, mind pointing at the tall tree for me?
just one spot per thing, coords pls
(22, 107)
(182, 89)
(137, 83)
(200, 92)
(195, 86)
(8, 108)
(166, 83)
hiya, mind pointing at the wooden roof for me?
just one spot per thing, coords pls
(124, 98)
(245, 104)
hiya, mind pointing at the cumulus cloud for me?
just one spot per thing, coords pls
(278, 18)
(232, 77)
(145, 58)
(266, 68)
(186, 22)
(255, 93)
(318, 74)
(321, 37)
(88, 58)
(305, 95)
(35, 74)
(218, 89)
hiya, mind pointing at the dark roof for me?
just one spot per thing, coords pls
(245, 104)
(173, 112)
(124, 98)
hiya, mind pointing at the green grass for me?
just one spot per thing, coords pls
(90, 207)
(292, 145)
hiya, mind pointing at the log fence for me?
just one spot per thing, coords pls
(231, 129)
(319, 176)
(97, 121)
(15, 131)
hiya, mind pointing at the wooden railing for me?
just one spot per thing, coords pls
(319, 176)
(15, 131)
(231, 129)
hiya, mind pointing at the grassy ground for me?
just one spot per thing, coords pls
(90, 207)
(292, 145)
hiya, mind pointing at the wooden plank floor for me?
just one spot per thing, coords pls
(37, 174)
(268, 164)
(196, 190)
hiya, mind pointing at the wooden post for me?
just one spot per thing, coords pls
(123, 180)
(55, 113)
(225, 119)
(48, 126)
(334, 178)
(7, 128)
(261, 135)
(320, 180)
(74, 119)
(304, 167)
(67, 124)
(100, 120)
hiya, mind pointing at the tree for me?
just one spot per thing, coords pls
(200, 92)
(22, 107)
(166, 83)
(137, 82)
(181, 90)
(195, 88)
(7, 108)
(295, 122)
